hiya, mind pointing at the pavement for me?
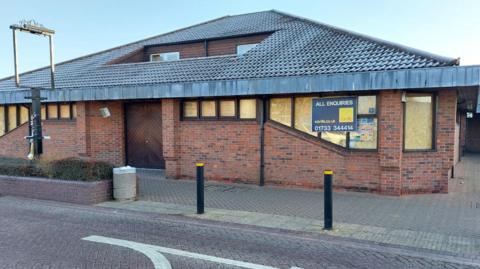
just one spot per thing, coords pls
(449, 223)
(43, 234)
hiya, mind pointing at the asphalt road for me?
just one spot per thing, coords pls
(39, 234)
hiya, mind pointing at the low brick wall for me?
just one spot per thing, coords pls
(86, 193)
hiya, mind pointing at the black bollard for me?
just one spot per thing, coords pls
(328, 202)
(200, 189)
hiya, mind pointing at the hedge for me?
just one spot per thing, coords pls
(77, 169)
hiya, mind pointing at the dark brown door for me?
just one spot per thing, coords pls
(144, 135)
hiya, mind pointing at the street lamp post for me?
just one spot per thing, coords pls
(35, 137)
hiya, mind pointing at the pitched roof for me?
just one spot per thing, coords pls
(296, 47)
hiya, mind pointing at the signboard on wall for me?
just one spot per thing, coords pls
(334, 114)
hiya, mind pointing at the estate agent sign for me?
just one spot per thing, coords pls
(334, 114)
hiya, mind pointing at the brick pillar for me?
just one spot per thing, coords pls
(445, 139)
(390, 141)
(82, 129)
(170, 125)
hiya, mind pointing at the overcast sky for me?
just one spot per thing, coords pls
(446, 27)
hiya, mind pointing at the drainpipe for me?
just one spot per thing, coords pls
(263, 112)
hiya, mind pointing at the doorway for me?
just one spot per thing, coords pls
(144, 147)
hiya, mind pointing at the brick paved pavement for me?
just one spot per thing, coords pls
(41, 234)
(437, 221)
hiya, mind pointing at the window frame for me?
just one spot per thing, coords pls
(159, 54)
(318, 95)
(217, 117)
(245, 44)
(434, 122)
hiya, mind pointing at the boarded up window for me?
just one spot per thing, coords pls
(281, 110)
(367, 105)
(419, 122)
(74, 111)
(12, 117)
(366, 136)
(23, 114)
(227, 108)
(2, 120)
(303, 115)
(65, 111)
(209, 109)
(52, 111)
(248, 108)
(44, 112)
(190, 109)
(338, 138)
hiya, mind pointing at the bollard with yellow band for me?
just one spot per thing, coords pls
(200, 188)
(328, 201)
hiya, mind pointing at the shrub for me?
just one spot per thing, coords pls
(79, 169)
(67, 169)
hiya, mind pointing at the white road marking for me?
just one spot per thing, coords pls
(160, 262)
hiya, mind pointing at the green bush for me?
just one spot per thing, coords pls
(68, 169)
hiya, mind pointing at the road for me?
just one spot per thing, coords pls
(40, 234)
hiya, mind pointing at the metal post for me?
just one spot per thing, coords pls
(328, 202)
(15, 58)
(200, 189)
(52, 64)
(36, 135)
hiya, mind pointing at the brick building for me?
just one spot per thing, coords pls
(236, 93)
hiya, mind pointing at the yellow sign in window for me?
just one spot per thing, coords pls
(345, 114)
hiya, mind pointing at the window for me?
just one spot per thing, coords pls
(52, 111)
(215, 109)
(227, 108)
(244, 48)
(12, 117)
(338, 138)
(43, 112)
(303, 115)
(418, 129)
(2, 120)
(165, 56)
(281, 110)
(74, 111)
(209, 109)
(24, 114)
(248, 109)
(65, 111)
(190, 109)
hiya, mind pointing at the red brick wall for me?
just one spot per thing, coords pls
(295, 159)
(89, 135)
(61, 145)
(230, 149)
(226, 46)
(102, 138)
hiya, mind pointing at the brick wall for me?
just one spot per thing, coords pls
(226, 46)
(57, 190)
(61, 145)
(89, 135)
(230, 150)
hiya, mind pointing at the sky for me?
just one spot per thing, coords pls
(446, 27)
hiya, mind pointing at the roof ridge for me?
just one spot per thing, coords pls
(397, 46)
(119, 47)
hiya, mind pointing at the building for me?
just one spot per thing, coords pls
(236, 93)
